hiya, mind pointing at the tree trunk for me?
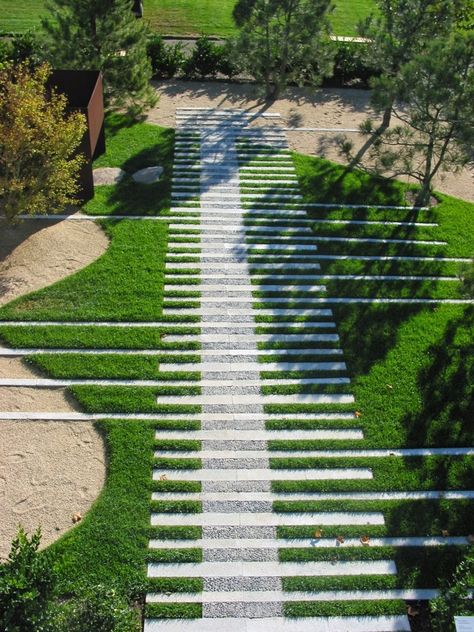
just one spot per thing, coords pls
(423, 197)
(384, 125)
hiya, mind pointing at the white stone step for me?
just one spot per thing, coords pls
(320, 543)
(261, 596)
(272, 569)
(239, 338)
(242, 367)
(250, 497)
(217, 383)
(244, 248)
(258, 435)
(280, 624)
(224, 313)
(244, 267)
(266, 474)
(263, 287)
(276, 624)
(243, 400)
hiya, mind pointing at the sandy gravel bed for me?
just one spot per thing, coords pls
(300, 107)
(48, 472)
(38, 253)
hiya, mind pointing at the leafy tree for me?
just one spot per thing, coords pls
(27, 583)
(284, 40)
(104, 35)
(435, 109)
(455, 597)
(38, 141)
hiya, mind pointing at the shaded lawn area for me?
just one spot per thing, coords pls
(133, 146)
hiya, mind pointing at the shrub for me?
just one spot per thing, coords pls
(96, 608)
(165, 60)
(38, 160)
(204, 60)
(455, 596)
(351, 66)
(27, 583)
(227, 64)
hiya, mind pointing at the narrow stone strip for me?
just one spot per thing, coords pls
(272, 569)
(279, 624)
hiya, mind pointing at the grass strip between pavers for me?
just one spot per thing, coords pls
(83, 337)
(403, 518)
(344, 608)
(132, 399)
(389, 473)
(173, 610)
(417, 567)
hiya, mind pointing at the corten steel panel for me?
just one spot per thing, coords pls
(84, 92)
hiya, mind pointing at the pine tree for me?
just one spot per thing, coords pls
(103, 35)
(284, 40)
(399, 31)
(435, 115)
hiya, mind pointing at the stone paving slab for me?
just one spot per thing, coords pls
(273, 543)
(265, 474)
(279, 624)
(273, 569)
(242, 400)
(261, 596)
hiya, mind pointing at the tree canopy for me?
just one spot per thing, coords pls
(103, 35)
(284, 40)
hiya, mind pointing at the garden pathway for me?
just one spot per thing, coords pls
(230, 258)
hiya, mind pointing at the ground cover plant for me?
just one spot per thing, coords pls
(185, 17)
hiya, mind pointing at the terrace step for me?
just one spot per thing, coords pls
(261, 473)
(273, 569)
(281, 624)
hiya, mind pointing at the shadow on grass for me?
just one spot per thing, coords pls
(446, 384)
(133, 146)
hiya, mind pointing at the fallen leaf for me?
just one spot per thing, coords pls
(76, 517)
(318, 533)
(365, 540)
(357, 414)
(340, 539)
(445, 533)
(163, 477)
(389, 386)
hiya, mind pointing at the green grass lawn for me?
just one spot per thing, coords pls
(182, 17)
(411, 366)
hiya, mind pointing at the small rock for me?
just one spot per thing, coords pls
(149, 175)
(108, 175)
